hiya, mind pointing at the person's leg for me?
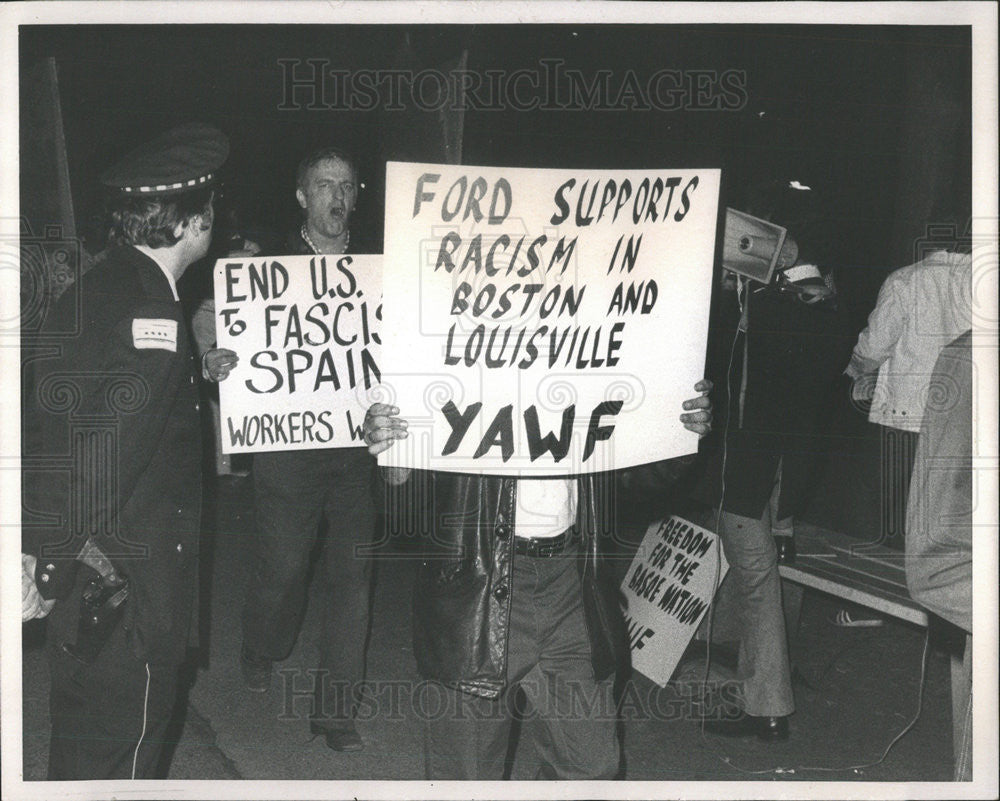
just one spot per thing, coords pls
(782, 528)
(108, 718)
(898, 450)
(576, 716)
(763, 667)
(961, 712)
(223, 461)
(350, 515)
(465, 736)
(289, 489)
(157, 711)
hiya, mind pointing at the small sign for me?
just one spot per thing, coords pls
(669, 587)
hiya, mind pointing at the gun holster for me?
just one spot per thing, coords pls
(101, 609)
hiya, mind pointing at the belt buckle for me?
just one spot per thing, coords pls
(550, 547)
(541, 548)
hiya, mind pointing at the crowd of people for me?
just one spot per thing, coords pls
(512, 591)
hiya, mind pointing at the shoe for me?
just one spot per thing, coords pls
(229, 481)
(767, 728)
(786, 550)
(846, 620)
(256, 671)
(343, 737)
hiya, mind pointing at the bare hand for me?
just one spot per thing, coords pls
(32, 603)
(217, 363)
(382, 427)
(863, 389)
(699, 421)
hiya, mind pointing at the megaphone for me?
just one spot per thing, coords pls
(756, 248)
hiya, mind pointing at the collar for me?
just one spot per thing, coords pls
(151, 254)
(304, 235)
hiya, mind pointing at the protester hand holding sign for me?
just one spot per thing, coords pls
(382, 427)
(700, 421)
(217, 363)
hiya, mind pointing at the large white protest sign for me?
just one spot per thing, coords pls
(669, 587)
(305, 329)
(545, 322)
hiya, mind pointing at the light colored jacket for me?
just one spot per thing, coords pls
(920, 309)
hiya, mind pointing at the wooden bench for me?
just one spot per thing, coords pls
(865, 574)
(870, 575)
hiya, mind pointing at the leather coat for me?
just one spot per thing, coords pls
(462, 593)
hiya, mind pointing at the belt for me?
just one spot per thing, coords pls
(544, 547)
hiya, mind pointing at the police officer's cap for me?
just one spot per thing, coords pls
(184, 158)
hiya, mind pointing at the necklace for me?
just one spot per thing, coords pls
(316, 250)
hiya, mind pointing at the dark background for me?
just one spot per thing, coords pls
(876, 119)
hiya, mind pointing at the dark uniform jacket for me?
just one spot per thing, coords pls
(462, 593)
(113, 451)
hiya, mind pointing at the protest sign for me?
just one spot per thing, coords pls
(545, 322)
(669, 586)
(306, 330)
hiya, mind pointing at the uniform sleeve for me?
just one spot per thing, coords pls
(885, 326)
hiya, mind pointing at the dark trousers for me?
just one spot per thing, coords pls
(109, 717)
(573, 716)
(293, 492)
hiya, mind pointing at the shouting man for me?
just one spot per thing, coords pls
(295, 490)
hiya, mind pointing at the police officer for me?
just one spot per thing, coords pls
(114, 467)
